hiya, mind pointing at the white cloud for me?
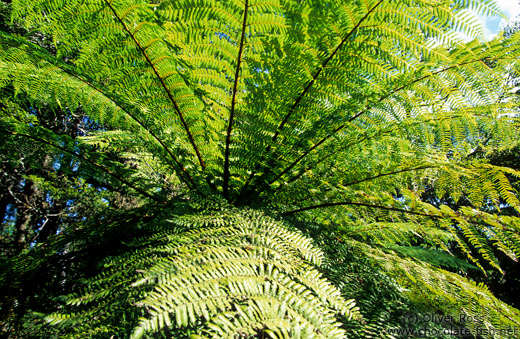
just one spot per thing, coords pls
(511, 9)
(491, 25)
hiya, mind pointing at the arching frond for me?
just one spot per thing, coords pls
(227, 272)
(301, 153)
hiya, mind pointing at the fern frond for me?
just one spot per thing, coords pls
(233, 272)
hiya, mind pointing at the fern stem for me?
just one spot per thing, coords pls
(106, 170)
(149, 131)
(345, 203)
(372, 177)
(302, 95)
(38, 52)
(386, 174)
(376, 176)
(337, 129)
(299, 175)
(233, 105)
(163, 84)
(318, 72)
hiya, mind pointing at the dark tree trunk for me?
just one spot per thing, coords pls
(25, 217)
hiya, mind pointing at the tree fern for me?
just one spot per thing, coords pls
(262, 143)
(223, 272)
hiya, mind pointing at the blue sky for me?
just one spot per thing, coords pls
(492, 25)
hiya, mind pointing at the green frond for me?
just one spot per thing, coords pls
(451, 293)
(230, 272)
(303, 155)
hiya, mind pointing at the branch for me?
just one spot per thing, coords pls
(365, 138)
(296, 177)
(369, 178)
(140, 123)
(107, 171)
(386, 174)
(63, 68)
(318, 72)
(395, 90)
(302, 95)
(163, 84)
(344, 203)
(233, 105)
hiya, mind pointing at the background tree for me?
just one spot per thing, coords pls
(253, 167)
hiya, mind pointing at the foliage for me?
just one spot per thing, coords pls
(247, 169)
(236, 271)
